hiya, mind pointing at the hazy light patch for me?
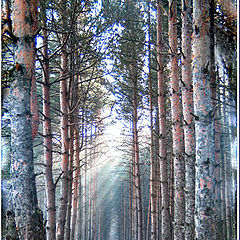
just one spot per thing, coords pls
(112, 136)
(113, 228)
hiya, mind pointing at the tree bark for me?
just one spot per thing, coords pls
(85, 204)
(94, 188)
(217, 126)
(227, 166)
(188, 109)
(222, 178)
(64, 135)
(131, 199)
(76, 183)
(90, 185)
(79, 223)
(47, 132)
(148, 227)
(153, 195)
(28, 216)
(177, 133)
(34, 100)
(70, 181)
(166, 221)
(134, 199)
(158, 177)
(204, 124)
(136, 159)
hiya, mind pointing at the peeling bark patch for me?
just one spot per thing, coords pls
(201, 183)
(209, 185)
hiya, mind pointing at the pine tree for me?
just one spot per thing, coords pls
(47, 135)
(166, 220)
(177, 133)
(64, 130)
(203, 111)
(189, 133)
(28, 216)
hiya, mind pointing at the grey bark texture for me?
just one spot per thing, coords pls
(204, 123)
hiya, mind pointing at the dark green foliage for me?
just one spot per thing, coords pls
(128, 56)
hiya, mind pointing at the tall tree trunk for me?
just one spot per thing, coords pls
(131, 199)
(70, 180)
(94, 215)
(100, 223)
(166, 221)
(76, 183)
(28, 216)
(222, 176)
(126, 213)
(158, 181)
(233, 143)
(73, 112)
(204, 124)
(227, 164)
(179, 178)
(189, 132)
(217, 127)
(85, 188)
(90, 185)
(64, 134)
(134, 198)
(34, 100)
(153, 195)
(171, 190)
(93, 183)
(136, 159)
(47, 132)
(148, 227)
(79, 223)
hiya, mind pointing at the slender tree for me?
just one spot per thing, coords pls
(177, 133)
(76, 184)
(85, 204)
(47, 135)
(34, 100)
(217, 126)
(227, 166)
(153, 180)
(189, 133)
(70, 180)
(133, 204)
(166, 220)
(64, 131)
(136, 159)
